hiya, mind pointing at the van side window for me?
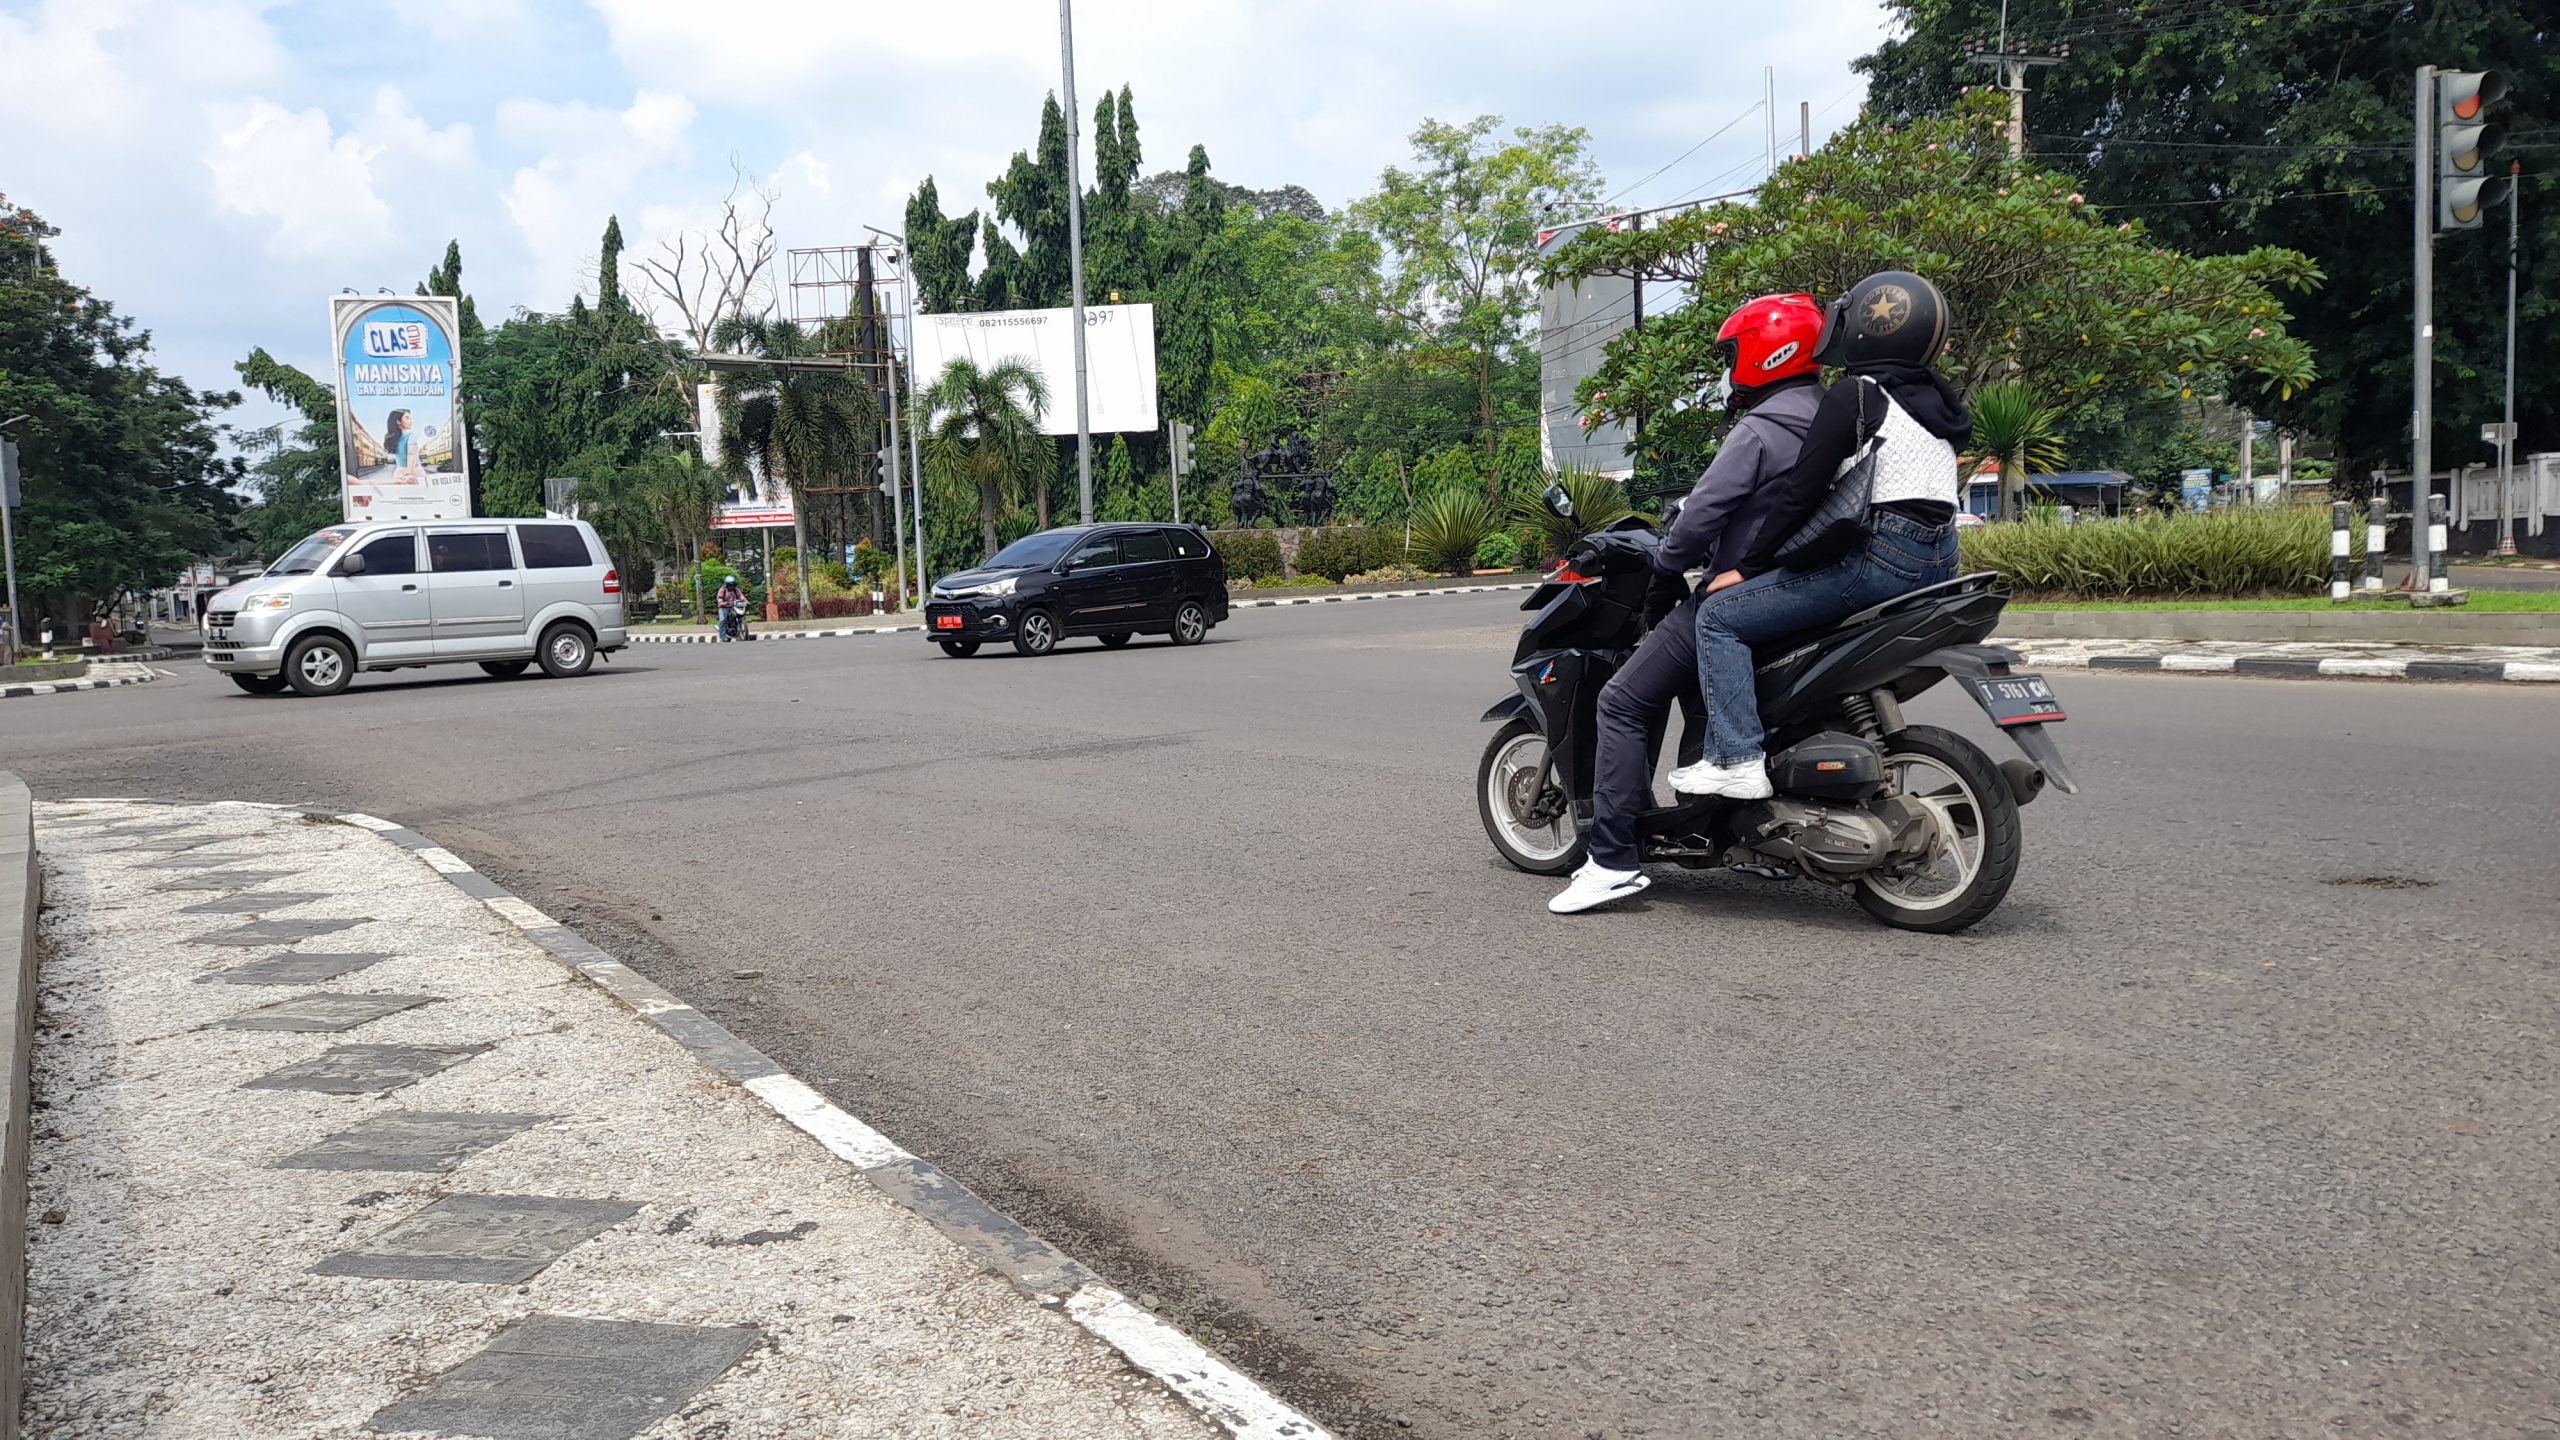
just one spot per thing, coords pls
(1139, 546)
(553, 547)
(1186, 546)
(391, 554)
(1095, 553)
(449, 551)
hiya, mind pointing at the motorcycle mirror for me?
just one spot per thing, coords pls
(1559, 504)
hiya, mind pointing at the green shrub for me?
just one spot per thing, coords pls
(2239, 552)
(1449, 526)
(1250, 554)
(1500, 551)
(1385, 549)
(1333, 552)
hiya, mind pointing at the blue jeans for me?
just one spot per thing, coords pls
(1903, 556)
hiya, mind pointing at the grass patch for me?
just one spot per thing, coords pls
(2496, 602)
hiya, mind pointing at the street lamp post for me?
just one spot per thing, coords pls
(9, 549)
(1075, 262)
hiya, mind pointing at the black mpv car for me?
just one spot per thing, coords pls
(1113, 581)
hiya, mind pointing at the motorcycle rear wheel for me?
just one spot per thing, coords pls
(1969, 874)
(1506, 785)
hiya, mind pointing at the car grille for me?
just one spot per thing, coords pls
(221, 617)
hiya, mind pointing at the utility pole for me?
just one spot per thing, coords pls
(2507, 427)
(9, 541)
(1075, 261)
(1769, 111)
(2249, 456)
(2014, 64)
(2423, 325)
(1804, 128)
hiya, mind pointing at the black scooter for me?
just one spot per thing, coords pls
(1915, 820)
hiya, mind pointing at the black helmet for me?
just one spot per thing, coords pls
(1892, 316)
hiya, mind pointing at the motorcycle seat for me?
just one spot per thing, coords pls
(1785, 647)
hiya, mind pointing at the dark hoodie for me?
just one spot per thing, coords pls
(1837, 432)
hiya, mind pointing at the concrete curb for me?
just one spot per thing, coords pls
(2351, 627)
(95, 682)
(2307, 667)
(707, 639)
(21, 895)
(1237, 603)
(1217, 1390)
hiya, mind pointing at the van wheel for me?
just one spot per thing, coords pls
(1116, 639)
(505, 669)
(566, 652)
(1037, 634)
(260, 684)
(1190, 623)
(319, 665)
(959, 649)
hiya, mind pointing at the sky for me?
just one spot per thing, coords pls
(219, 167)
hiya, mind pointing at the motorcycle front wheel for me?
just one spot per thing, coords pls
(1973, 856)
(1532, 827)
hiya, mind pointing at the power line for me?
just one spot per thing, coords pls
(1748, 111)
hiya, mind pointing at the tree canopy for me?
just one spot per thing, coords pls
(2233, 128)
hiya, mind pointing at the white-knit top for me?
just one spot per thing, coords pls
(1912, 464)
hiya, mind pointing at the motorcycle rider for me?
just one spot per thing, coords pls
(733, 607)
(1773, 386)
(1886, 333)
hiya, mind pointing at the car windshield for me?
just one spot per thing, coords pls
(305, 558)
(1034, 550)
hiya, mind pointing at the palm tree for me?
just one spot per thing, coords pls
(2023, 433)
(798, 418)
(985, 424)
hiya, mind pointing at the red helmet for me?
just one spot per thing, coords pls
(1768, 340)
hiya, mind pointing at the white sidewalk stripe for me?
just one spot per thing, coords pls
(2197, 662)
(2368, 669)
(1215, 1387)
(522, 915)
(845, 1137)
(445, 861)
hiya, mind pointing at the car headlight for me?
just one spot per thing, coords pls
(282, 601)
(992, 587)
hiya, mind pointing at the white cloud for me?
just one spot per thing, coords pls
(322, 191)
(592, 163)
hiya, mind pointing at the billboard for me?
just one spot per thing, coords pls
(1120, 359)
(1576, 322)
(400, 443)
(752, 503)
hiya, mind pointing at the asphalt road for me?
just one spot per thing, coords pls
(2238, 1119)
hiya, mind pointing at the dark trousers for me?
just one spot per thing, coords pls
(1634, 708)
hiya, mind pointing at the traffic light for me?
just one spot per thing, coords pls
(2465, 188)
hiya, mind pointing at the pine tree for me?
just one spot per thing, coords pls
(938, 251)
(1119, 499)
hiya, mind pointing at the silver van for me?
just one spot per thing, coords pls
(386, 595)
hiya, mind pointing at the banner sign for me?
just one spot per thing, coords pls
(752, 504)
(400, 443)
(1120, 359)
(2195, 489)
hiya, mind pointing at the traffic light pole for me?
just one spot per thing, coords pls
(2423, 341)
(2507, 430)
(1075, 263)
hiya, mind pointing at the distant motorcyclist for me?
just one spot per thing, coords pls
(732, 601)
(1773, 386)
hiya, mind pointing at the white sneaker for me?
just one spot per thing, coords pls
(1594, 886)
(1745, 780)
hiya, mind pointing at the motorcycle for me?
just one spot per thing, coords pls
(1915, 820)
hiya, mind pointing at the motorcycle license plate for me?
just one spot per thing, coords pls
(946, 622)
(2017, 699)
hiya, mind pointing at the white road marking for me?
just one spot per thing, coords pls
(1209, 1383)
(845, 1137)
(445, 861)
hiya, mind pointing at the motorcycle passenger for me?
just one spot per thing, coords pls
(1773, 385)
(1886, 333)
(733, 607)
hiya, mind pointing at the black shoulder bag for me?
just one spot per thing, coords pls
(1843, 521)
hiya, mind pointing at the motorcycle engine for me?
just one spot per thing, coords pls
(1841, 842)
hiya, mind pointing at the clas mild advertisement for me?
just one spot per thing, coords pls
(399, 426)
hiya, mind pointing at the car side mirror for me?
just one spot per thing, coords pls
(353, 564)
(1559, 504)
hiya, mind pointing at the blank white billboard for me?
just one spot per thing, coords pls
(1120, 359)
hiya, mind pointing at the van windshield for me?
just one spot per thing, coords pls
(1034, 550)
(305, 558)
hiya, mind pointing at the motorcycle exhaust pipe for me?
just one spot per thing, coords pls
(2026, 781)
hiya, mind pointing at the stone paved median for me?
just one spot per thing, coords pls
(326, 1146)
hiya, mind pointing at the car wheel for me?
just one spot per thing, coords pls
(1037, 634)
(1190, 623)
(319, 665)
(566, 651)
(959, 649)
(1116, 639)
(260, 684)
(505, 669)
